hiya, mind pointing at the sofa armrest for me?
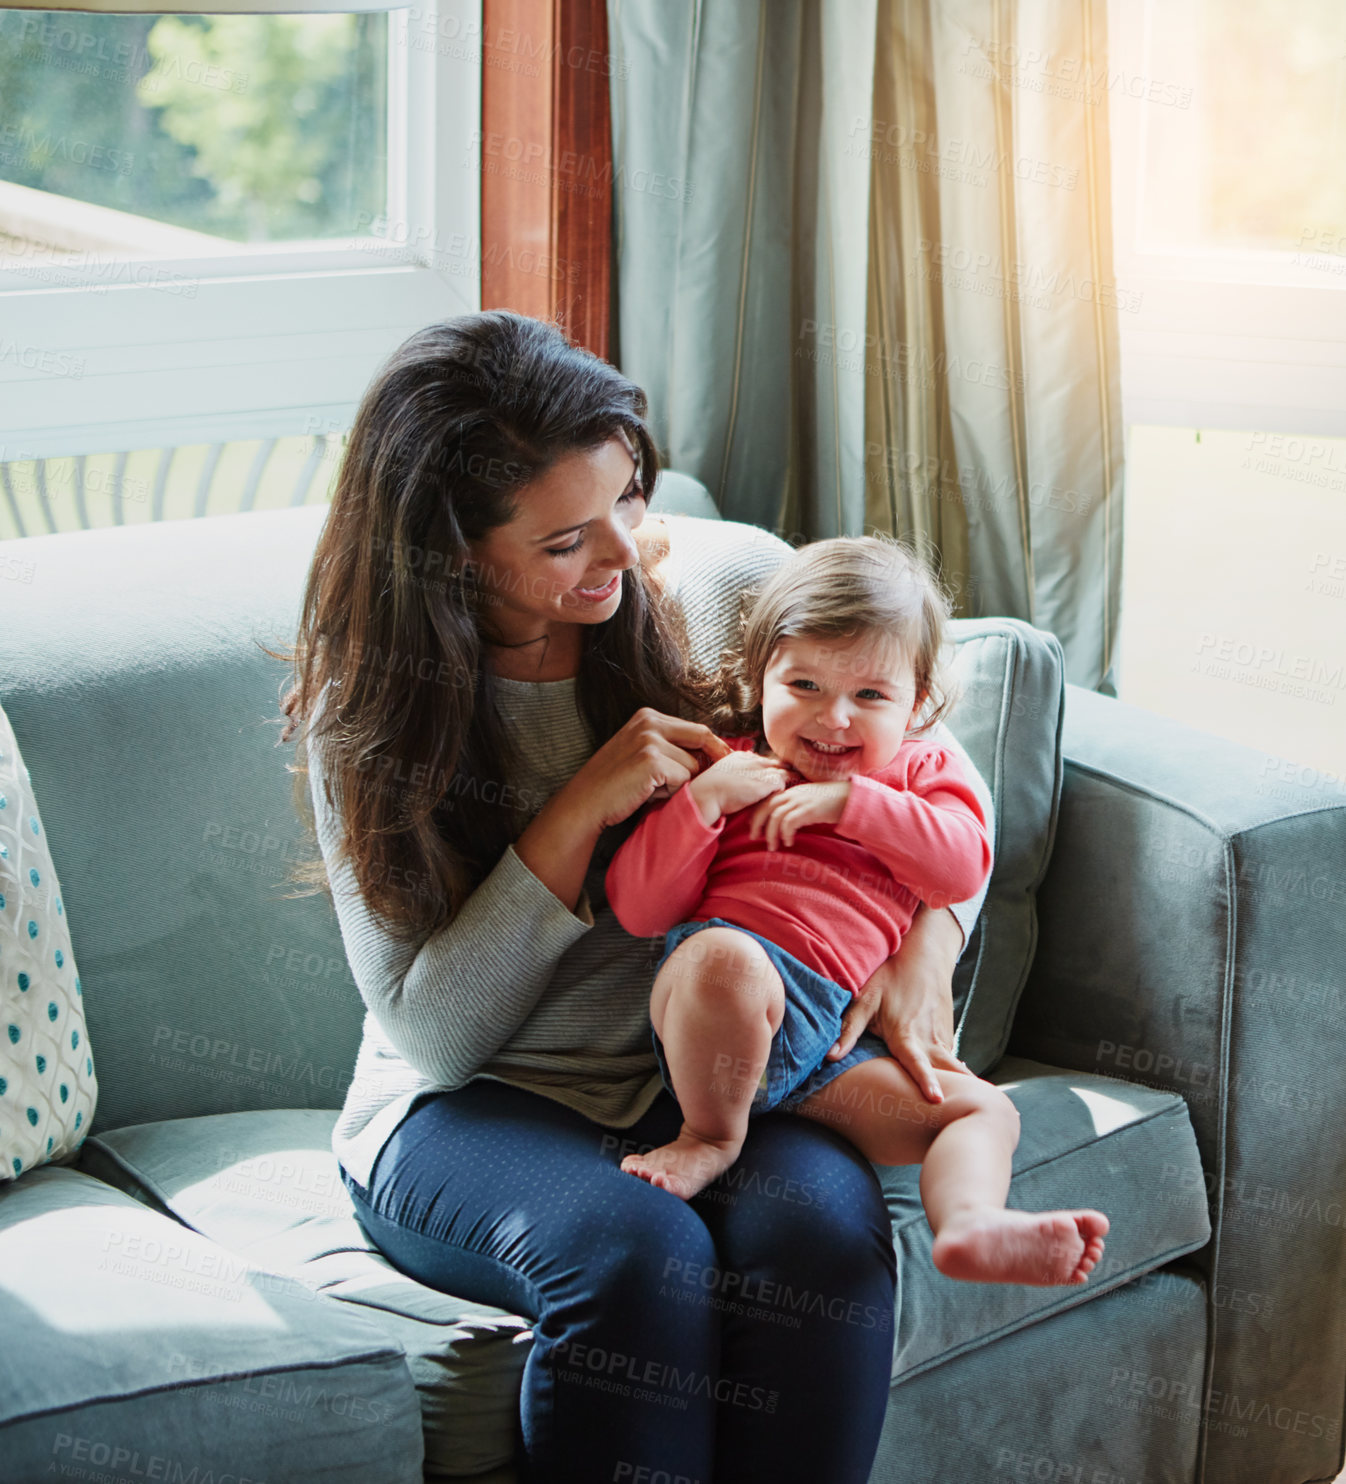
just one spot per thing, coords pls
(1193, 937)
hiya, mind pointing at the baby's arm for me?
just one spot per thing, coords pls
(930, 833)
(658, 876)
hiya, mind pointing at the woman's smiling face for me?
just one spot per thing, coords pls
(560, 560)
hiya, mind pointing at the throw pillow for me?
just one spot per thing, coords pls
(47, 1083)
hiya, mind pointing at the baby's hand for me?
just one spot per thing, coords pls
(736, 781)
(807, 803)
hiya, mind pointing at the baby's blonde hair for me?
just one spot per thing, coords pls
(840, 588)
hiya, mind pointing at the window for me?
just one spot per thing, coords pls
(132, 136)
(1228, 122)
(223, 235)
(1228, 126)
(1253, 164)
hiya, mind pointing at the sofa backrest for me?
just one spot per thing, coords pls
(148, 716)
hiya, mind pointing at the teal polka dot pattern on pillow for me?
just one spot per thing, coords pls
(48, 1090)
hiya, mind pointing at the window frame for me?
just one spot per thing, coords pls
(1241, 340)
(204, 350)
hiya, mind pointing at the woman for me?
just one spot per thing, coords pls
(492, 662)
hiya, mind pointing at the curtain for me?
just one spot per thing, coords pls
(994, 429)
(740, 250)
(863, 265)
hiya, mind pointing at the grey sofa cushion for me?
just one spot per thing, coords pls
(681, 494)
(1009, 712)
(1109, 1392)
(1086, 1140)
(148, 732)
(265, 1184)
(133, 1347)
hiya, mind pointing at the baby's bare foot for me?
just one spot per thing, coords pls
(687, 1165)
(1037, 1247)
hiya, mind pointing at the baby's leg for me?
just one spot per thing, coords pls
(965, 1145)
(717, 1002)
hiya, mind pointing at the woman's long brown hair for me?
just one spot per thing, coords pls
(388, 674)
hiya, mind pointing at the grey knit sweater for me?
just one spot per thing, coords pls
(518, 988)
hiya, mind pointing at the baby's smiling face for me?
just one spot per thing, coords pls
(832, 708)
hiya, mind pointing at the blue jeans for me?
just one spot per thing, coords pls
(744, 1336)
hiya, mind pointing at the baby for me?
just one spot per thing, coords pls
(776, 915)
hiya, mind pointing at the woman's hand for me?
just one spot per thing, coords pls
(651, 757)
(653, 754)
(909, 1002)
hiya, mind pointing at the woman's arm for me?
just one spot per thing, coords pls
(557, 847)
(448, 1004)
(908, 1001)
(658, 876)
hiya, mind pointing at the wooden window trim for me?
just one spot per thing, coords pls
(546, 164)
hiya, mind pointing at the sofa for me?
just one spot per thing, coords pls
(1157, 981)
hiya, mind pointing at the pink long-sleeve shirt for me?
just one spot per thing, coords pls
(841, 898)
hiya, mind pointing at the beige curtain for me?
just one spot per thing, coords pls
(993, 406)
(863, 272)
